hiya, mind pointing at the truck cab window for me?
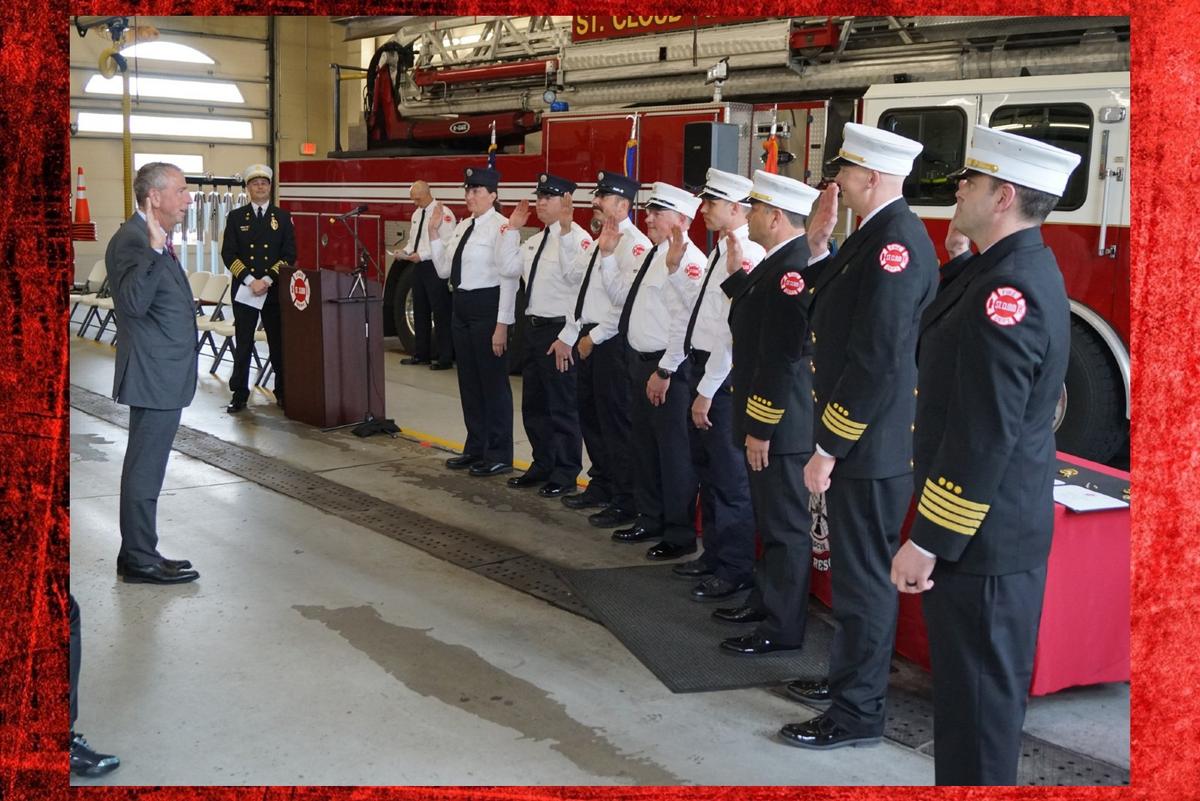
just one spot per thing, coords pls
(1068, 126)
(943, 131)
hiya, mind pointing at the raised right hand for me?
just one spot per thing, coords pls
(822, 220)
(158, 237)
(610, 235)
(435, 218)
(519, 216)
(733, 253)
(956, 241)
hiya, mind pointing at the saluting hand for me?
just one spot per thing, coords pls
(956, 241)
(519, 216)
(610, 235)
(568, 214)
(733, 253)
(435, 218)
(675, 249)
(822, 220)
(158, 237)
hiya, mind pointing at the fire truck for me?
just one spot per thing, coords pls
(569, 95)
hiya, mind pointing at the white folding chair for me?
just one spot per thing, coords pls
(198, 281)
(213, 295)
(94, 288)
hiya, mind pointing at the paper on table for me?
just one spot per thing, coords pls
(1081, 499)
(246, 295)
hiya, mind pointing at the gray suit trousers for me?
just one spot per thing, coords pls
(151, 434)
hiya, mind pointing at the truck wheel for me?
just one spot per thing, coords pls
(402, 310)
(1090, 421)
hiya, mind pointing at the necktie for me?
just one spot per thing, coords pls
(456, 262)
(420, 228)
(587, 277)
(623, 325)
(259, 209)
(533, 269)
(170, 248)
(687, 338)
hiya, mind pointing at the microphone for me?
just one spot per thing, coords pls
(351, 213)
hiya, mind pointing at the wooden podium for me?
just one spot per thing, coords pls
(325, 346)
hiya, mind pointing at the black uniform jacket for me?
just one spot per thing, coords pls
(865, 313)
(993, 357)
(258, 247)
(771, 377)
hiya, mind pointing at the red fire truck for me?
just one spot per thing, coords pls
(430, 117)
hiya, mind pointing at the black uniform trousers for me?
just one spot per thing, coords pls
(785, 525)
(76, 655)
(603, 399)
(982, 637)
(431, 310)
(245, 323)
(665, 480)
(726, 512)
(483, 386)
(151, 434)
(549, 407)
(865, 516)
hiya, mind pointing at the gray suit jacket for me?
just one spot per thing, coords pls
(156, 322)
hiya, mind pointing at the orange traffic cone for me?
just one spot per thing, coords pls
(82, 212)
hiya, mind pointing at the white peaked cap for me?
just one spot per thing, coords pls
(1020, 160)
(877, 149)
(257, 171)
(783, 192)
(673, 198)
(726, 186)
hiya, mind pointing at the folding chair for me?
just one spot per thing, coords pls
(87, 292)
(198, 281)
(214, 294)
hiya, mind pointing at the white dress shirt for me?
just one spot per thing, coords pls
(492, 243)
(598, 307)
(420, 222)
(560, 269)
(659, 315)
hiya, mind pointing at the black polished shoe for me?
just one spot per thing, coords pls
(611, 517)
(635, 534)
(693, 569)
(822, 733)
(170, 564)
(588, 499)
(462, 462)
(756, 645)
(715, 588)
(490, 469)
(552, 489)
(526, 479)
(157, 574)
(441, 366)
(235, 406)
(809, 691)
(665, 551)
(86, 762)
(740, 614)
(414, 360)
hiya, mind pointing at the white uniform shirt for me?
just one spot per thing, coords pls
(659, 315)
(712, 322)
(598, 306)
(420, 222)
(560, 269)
(491, 245)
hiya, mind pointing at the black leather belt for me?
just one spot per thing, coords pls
(538, 322)
(650, 357)
(481, 289)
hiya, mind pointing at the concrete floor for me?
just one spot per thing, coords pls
(313, 651)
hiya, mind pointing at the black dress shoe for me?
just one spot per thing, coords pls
(756, 645)
(86, 762)
(822, 732)
(715, 588)
(740, 614)
(441, 366)
(587, 499)
(552, 489)
(635, 534)
(171, 564)
(490, 469)
(462, 462)
(611, 517)
(157, 574)
(809, 691)
(235, 406)
(526, 479)
(414, 360)
(669, 550)
(693, 569)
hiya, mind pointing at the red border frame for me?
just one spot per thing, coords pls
(34, 461)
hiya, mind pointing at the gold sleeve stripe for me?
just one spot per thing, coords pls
(835, 424)
(934, 505)
(952, 509)
(237, 267)
(763, 409)
(932, 515)
(951, 499)
(275, 267)
(847, 422)
(771, 421)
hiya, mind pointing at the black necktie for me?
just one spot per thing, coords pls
(587, 277)
(687, 338)
(533, 270)
(456, 262)
(623, 325)
(259, 209)
(420, 228)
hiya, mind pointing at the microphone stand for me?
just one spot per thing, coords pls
(369, 424)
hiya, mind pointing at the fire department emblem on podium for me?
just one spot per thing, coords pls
(300, 290)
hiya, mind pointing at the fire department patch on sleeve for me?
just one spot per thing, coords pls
(791, 283)
(692, 270)
(504, 228)
(585, 243)
(638, 250)
(746, 265)
(1005, 306)
(893, 258)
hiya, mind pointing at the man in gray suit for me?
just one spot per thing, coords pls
(156, 363)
